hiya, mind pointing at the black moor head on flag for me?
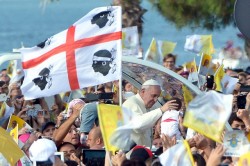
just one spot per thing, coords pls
(103, 61)
(44, 43)
(102, 18)
(44, 78)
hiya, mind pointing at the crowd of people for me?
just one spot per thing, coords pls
(71, 127)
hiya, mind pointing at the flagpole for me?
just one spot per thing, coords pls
(199, 70)
(120, 91)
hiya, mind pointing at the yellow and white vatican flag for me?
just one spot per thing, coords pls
(121, 137)
(177, 155)
(9, 148)
(14, 121)
(235, 143)
(130, 41)
(199, 44)
(152, 53)
(14, 134)
(165, 47)
(208, 113)
(218, 77)
(191, 67)
(110, 118)
(88, 53)
(224, 82)
(206, 65)
(5, 110)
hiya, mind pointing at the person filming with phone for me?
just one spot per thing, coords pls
(210, 84)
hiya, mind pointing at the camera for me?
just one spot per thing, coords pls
(64, 116)
(210, 81)
(245, 88)
(241, 101)
(31, 111)
(90, 97)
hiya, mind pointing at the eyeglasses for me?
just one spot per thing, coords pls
(19, 97)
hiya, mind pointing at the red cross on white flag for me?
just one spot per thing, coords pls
(86, 54)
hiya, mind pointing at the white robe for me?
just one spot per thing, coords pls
(145, 120)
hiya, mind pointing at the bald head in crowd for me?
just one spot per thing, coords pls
(95, 140)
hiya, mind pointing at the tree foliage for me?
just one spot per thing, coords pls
(132, 13)
(208, 14)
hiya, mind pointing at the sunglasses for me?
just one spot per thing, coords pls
(19, 97)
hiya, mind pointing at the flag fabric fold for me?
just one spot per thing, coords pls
(110, 117)
(14, 121)
(199, 44)
(192, 70)
(165, 47)
(158, 49)
(14, 134)
(9, 148)
(177, 155)
(130, 41)
(88, 53)
(234, 142)
(207, 67)
(152, 53)
(224, 82)
(121, 137)
(5, 112)
(209, 117)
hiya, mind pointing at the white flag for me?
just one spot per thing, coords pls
(88, 53)
(130, 41)
(234, 142)
(177, 155)
(208, 113)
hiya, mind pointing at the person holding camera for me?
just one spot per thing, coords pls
(209, 84)
(67, 131)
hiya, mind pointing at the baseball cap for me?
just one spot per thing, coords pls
(42, 150)
(45, 125)
(141, 153)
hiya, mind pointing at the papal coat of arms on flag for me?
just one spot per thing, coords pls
(87, 53)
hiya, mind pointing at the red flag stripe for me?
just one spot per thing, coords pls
(169, 120)
(71, 47)
(71, 60)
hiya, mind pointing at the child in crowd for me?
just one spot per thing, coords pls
(170, 121)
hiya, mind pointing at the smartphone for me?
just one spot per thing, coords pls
(95, 97)
(92, 97)
(32, 112)
(43, 163)
(60, 155)
(36, 101)
(40, 112)
(106, 95)
(93, 157)
(210, 81)
(241, 101)
(245, 88)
